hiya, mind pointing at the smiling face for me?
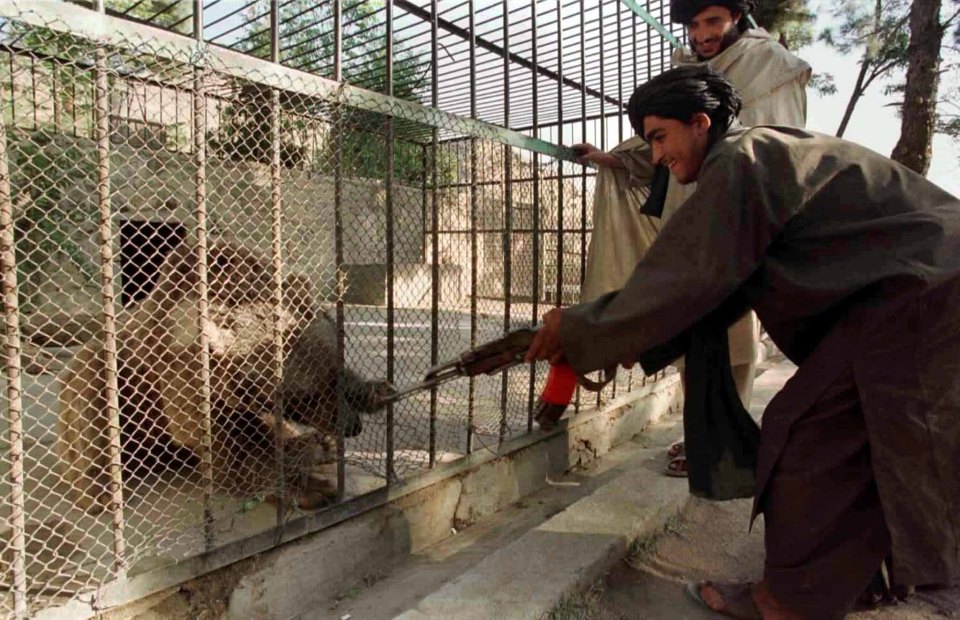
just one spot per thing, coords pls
(713, 30)
(679, 146)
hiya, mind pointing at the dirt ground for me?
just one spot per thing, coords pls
(712, 540)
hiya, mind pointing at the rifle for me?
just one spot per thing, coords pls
(501, 354)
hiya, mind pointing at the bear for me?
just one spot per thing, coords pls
(160, 375)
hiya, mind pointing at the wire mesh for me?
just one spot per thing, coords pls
(212, 268)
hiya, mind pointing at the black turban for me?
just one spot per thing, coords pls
(683, 11)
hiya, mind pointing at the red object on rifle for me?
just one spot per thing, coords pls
(499, 355)
(556, 395)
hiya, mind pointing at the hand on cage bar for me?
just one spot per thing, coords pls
(546, 344)
(587, 153)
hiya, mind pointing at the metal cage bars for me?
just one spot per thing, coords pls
(107, 31)
(414, 23)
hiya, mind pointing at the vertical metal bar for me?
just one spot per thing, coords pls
(435, 227)
(13, 91)
(18, 545)
(176, 114)
(473, 221)
(73, 99)
(391, 352)
(636, 58)
(583, 169)
(337, 40)
(341, 292)
(102, 115)
(92, 117)
(338, 239)
(583, 89)
(33, 90)
(633, 16)
(535, 285)
(424, 198)
(143, 103)
(160, 111)
(603, 77)
(620, 71)
(198, 20)
(559, 300)
(203, 283)
(507, 195)
(633, 46)
(603, 145)
(55, 70)
(127, 88)
(276, 214)
(663, 46)
(275, 32)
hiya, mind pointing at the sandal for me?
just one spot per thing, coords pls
(737, 599)
(677, 467)
(676, 450)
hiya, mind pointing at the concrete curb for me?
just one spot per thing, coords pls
(569, 552)
(575, 548)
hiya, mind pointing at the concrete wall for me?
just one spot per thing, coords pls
(149, 183)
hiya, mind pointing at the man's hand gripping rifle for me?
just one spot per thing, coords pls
(504, 353)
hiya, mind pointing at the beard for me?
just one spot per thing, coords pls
(730, 36)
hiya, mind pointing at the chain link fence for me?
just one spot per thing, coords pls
(212, 267)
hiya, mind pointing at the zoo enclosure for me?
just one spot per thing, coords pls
(422, 219)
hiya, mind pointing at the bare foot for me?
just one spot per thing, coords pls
(731, 599)
(746, 601)
(769, 606)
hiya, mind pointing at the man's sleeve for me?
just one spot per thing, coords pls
(785, 105)
(638, 165)
(703, 254)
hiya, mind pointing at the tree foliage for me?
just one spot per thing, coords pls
(791, 21)
(880, 32)
(42, 173)
(948, 105)
(307, 43)
(877, 30)
(173, 15)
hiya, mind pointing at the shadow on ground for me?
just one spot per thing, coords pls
(712, 542)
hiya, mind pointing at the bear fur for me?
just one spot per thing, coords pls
(161, 387)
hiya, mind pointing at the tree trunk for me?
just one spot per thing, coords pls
(855, 95)
(915, 146)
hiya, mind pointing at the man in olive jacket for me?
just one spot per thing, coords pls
(852, 264)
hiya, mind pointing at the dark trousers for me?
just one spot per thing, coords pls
(825, 532)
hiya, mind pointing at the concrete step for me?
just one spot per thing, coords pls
(566, 553)
(523, 561)
(519, 562)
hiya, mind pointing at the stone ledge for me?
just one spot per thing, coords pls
(570, 551)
